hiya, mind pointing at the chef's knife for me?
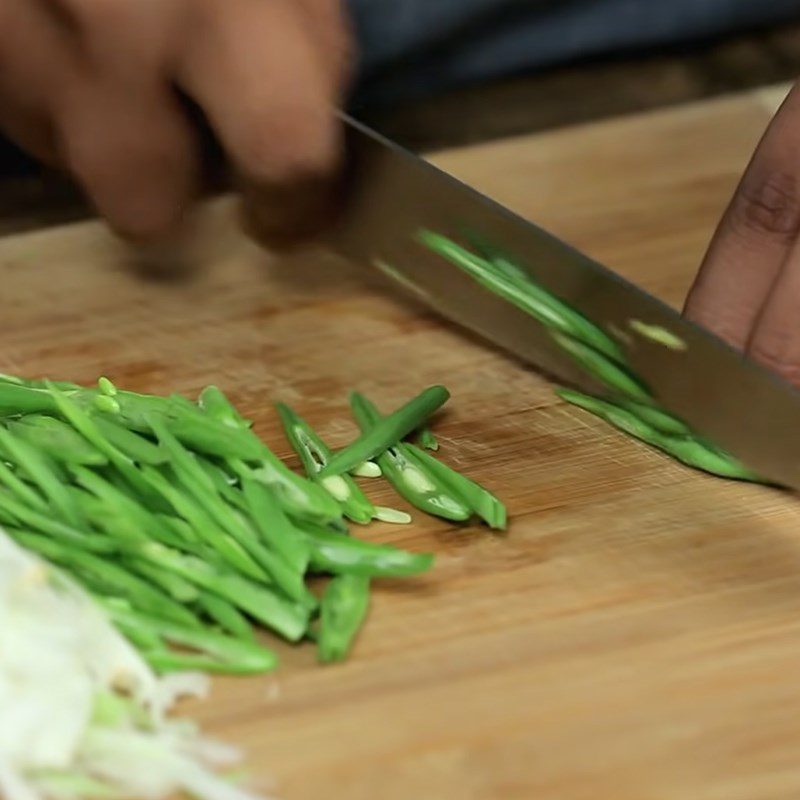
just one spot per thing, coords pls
(393, 195)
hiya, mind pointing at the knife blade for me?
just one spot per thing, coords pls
(392, 195)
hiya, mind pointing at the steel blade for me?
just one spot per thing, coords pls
(392, 195)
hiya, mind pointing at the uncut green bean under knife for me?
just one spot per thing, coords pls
(687, 449)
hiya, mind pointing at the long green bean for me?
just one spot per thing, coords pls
(502, 277)
(388, 431)
(689, 451)
(611, 374)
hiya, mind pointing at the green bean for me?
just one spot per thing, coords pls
(85, 425)
(130, 444)
(228, 549)
(506, 280)
(39, 469)
(25, 493)
(342, 612)
(60, 531)
(275, 528)
(480, 500)
(15, 399)
(427, 440)
(460, 489)
(403, 472)
(344, 555)
(141, 593)
(214, 403)
(226, 615)
(197, 482)
(174, 585)
(608, 372)
(215, 652)
(655, 417)
(298, 496)
(286, 618)
(387, 431)
(57, 440)
(119, 513)
(224, 483)
(315, 455)
(688, 451)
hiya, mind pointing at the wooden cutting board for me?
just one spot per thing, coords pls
(636, 633)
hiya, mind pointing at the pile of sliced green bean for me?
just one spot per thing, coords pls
(190, 531)
(631, 407)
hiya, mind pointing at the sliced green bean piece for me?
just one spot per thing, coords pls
(342, 613)
(344, 555)
(228, 549)
(131, 444)
(123, 514)
(388, 431)
(25, 493)
(16, 399)
(60, 531)
(508, 281)
(39, 469)
(315, 455)
(603, 369)
(174, 585)
(403, 472)
(690, 452)
(427, 440)
(215, 403)
(276, 529)
(225, 484)
(286, 618)
(57, 439)
(197, 482)
(481, 500)
(85, 425)
(216, 652)
(226, 615)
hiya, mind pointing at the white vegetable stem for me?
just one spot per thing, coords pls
(78, 705)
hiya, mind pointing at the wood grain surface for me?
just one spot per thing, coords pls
(636, 633)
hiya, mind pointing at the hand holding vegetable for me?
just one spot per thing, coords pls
(98, 89)
(748, 288)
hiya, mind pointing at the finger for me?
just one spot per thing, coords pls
(35, 57)
(328, 23)
(124, 135)
(755, 235)
(260, 77)
(775, 341)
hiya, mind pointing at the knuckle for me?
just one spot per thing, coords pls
(768, 205)
(777, 354)
(288, 148)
